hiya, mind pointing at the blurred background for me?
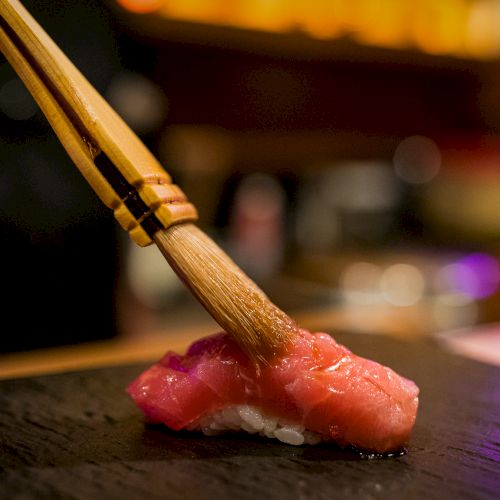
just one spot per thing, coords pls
(346, 153)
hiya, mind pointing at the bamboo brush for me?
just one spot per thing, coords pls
(129, 180)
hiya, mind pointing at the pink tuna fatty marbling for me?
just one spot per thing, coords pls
(318, 383)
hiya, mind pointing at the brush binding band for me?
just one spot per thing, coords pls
(135, 186)
(153, 205)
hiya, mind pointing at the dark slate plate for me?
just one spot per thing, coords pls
(78, 435)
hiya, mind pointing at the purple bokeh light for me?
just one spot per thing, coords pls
(477, 275)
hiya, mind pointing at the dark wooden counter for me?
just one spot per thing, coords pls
(78, 435)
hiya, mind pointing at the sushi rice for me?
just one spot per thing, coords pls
(250, 419)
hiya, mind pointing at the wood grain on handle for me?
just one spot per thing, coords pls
(87, 126)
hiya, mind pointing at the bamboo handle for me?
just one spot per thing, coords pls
(110, 156)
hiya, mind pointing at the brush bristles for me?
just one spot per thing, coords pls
(233, 299)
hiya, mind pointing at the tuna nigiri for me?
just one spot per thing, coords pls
(318, 391)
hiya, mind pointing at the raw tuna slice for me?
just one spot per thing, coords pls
(318, 391)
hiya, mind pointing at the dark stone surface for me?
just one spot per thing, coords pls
(78, 435)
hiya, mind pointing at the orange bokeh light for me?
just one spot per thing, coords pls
(454, 27)
(141, 6)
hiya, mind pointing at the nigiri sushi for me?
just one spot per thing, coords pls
(318, 391)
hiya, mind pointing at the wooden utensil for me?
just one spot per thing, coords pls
(130, 181)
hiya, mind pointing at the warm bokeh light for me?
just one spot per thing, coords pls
(392, 27)
(152, 283)
(402, 285)
(202, 11)
(141, 103)
(256, 229)
(266, 15)
(439, 27)
(482, 33)
(445, 27)
(141, 6)
(450, 312)
(320, 19)
(359, 283)
(417, 159)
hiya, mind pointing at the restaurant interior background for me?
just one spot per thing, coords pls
(345, 153)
